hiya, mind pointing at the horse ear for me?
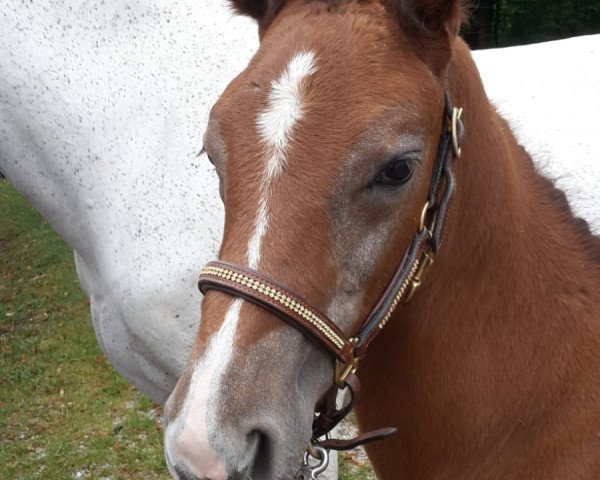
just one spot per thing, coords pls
(263, 11)
(433, 24)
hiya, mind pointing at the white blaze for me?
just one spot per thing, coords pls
(275, 126)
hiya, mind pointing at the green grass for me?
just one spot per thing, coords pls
(64, 411)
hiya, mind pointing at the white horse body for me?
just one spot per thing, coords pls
(103, 109)
(550, 95)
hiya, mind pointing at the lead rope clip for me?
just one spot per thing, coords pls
(308, 471)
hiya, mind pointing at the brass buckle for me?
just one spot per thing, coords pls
(423, 216)
(423, 219)
(424, 263)
(343, 370)
(456, 114)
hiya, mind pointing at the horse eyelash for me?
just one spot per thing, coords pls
(413, 159)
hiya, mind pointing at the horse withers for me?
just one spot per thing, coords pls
(325, 147)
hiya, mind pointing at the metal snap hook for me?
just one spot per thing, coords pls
(308, 471)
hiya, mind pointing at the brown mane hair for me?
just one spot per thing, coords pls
(589, 241)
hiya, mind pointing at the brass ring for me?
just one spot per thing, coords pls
(456, 114)
(423, 215)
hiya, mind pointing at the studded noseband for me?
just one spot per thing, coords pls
(267, 293)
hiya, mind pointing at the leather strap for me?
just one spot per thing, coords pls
(427, 239)
(392, 295)
(349, 444)
(289, 306)
(328, 416)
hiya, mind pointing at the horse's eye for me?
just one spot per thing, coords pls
(396, 172)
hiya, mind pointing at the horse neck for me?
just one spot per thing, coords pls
(509, 225)
(504, 314)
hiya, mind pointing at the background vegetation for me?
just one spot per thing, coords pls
(65, 413)
(499, 23)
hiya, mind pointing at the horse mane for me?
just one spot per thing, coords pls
(580, 226)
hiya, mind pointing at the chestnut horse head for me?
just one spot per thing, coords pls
(325, 147)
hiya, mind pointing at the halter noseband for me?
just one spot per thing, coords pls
(267, 293)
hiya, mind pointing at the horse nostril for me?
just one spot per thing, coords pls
(259, 453)
(253, 439)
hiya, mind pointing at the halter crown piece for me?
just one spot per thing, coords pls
(267, 293)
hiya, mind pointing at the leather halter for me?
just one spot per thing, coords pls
(269, 294)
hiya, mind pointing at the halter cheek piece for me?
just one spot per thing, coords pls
(289, 306)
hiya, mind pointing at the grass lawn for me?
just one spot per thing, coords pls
(64, 412)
